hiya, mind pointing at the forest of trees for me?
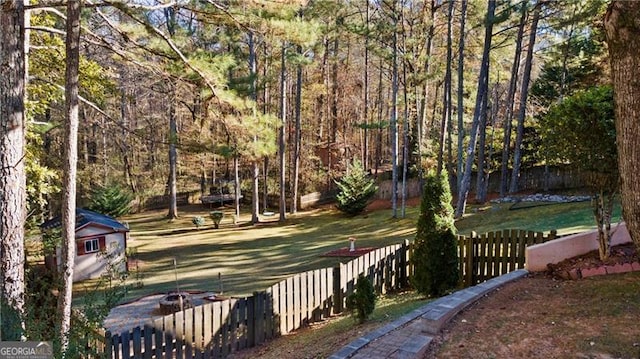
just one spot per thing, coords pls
(276, 97)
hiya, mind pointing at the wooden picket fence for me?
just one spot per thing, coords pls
(217, 329)
(482, 257)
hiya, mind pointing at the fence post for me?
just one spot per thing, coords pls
(108, 345)
(252, 329)
(404, 264)
(337, 289)
(468, 244)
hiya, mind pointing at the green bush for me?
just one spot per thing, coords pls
(111, 200)
(355, 190)
(362, 301)
(216, 216)
(435, 254)
(198, 221)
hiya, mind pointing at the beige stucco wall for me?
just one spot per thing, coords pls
(539, 255)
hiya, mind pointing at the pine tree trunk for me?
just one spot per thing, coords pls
(334, 92)
(463, 191)
(255, 169)
(266, 99)
(513, 83)
(524, 92)
(378, 155)
(173, 156)
(446, 98)
(297, 137)
(405, 129)
(265, 192)
(623, 38)
(12, 151)
(460, 99)
(394, 118)
(365, 110)
(482, 142)
(422, 121)
(72, 49)
(236, 186)
(281, 134)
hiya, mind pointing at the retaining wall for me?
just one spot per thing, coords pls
(538, 256)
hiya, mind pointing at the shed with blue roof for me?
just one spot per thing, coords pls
(101, 242)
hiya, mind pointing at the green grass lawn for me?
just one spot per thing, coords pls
(251, 258)
(566, 218)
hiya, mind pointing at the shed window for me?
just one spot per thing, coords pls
(92, 245)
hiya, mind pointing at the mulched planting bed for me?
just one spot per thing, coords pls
(624, 257)
(345, 252)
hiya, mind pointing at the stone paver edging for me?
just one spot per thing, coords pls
(410, 335)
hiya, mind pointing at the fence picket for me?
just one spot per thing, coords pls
(290, 305)
(311, 302)
(225, 321)
(277, 314)
(216, 341)
(169, 325)
(179, 318)
(269, 315)
(136, 339)
(188, 332)
(207, 330)
(241, 331)
(303, 299)
(115, 346)
(261, 319)
(317, 299)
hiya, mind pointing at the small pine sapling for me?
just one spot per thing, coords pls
(356, 189)
(112, 200)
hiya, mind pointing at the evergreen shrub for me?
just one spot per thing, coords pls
(355, 190)
(198, 221)
(435, 254)
(111, 200)
(362, 301)
(216, 216)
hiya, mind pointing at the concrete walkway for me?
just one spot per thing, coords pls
(410, 335)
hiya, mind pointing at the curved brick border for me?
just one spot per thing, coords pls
(410, 335)
(601, 270)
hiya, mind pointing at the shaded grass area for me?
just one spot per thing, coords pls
(325, 338)
(251, 258)
(566, 218)
(540, 317)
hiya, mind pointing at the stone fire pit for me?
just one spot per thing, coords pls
(175, 302)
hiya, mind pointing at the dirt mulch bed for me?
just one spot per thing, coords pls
(542, 317)
(620, 254)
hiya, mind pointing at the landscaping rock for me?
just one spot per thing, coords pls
(539, 197)
(575, 274)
